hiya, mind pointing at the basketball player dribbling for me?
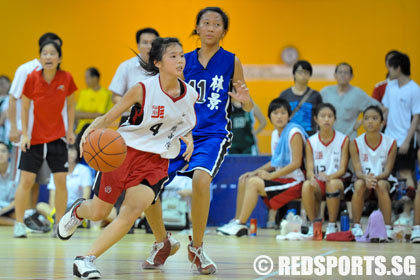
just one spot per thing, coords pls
(162, 112)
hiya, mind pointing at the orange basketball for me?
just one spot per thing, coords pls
(104, 149)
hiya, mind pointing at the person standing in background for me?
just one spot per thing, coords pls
(402, 98)
(379, 90)
(244, 136)
(302, 98)
(348, 100)
(130, 72)
(93, 101)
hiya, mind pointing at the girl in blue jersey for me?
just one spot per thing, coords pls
(211, 70)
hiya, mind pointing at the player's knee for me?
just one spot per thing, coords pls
(382, 188)
(307, 188)
(359, 187)
(254, 181)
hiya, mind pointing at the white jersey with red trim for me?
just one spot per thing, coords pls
(373, 159)
(327, 156)
(156, 126)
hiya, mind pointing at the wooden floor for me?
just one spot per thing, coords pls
(42, 257)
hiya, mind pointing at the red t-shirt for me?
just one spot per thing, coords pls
(379, 90)
(47, 120)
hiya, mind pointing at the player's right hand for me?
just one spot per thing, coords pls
(14, 135)
(25, 143)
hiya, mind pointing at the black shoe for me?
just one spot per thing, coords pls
(35, 224)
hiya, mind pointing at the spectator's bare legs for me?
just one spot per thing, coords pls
(254, 188)
(154, 218)
(311, 197)
(333, 203)
(60, 195)
(384, 201)
(358, 200)
(240, 196)
(200, 205)
(26, 183)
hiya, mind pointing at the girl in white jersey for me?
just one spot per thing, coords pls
(373, 156)
(162, 112)
(326, 163)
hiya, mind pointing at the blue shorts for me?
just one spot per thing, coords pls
(209, 153)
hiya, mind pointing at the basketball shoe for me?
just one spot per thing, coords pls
(200, 259)
(357, 230)
(160, 252)
(415, 234)
(331, 228)
(234, 228)
(69, 222)
(19, 230)
(84, 268)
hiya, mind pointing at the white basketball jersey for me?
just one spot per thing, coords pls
(373, 159)
(327, 156)
(156, 126)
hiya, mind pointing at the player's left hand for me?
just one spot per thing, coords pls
(242, 92)
(71, 138)
(188, 140)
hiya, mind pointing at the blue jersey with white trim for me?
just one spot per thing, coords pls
(212, 83)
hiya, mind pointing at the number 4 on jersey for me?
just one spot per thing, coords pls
(155, 128)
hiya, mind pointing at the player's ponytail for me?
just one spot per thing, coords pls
(159, 46)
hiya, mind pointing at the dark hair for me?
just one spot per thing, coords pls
(304, 64)
(344, 64)
(391, 53)
(55, 45)
(5, 77)
(401, 60)
(76, 147)
(93, 72)
(279, 103)
(321, 106)
(224, 16)
(375, 108)
(159, 46)
(145, 30)
(49, 36)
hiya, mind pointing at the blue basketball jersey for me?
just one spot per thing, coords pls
(212, 83)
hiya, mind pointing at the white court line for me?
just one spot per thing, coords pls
(274, 273)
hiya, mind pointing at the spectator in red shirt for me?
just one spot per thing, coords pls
(379, 90)
(48, 109)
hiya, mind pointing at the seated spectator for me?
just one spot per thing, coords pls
(348, 100)
(302, 98)
(7, 188)
(326, 163)
(373, 156)
(279, 180)
(4, 102)
(379, 90)
(92, 101)
(244, 136)
(79, 184)
(402, 98)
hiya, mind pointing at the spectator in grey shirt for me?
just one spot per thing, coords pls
(348, 100)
